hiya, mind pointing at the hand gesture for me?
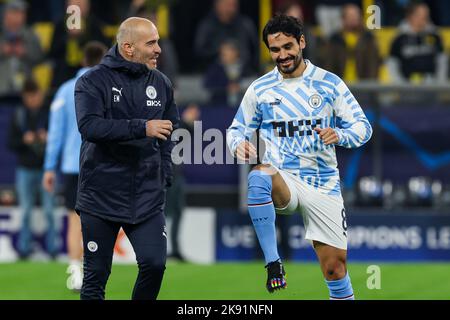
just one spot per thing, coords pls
(245, 151)
(42, 135)
(29, 137)
(328, 135)
(160, 129)
(48, 181)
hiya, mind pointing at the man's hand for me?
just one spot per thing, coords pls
(48, 181)
(245, 151)
(160, 129)
(191, 114)
(19, 50)
(42, 135)
(29, 137)
(328, 135)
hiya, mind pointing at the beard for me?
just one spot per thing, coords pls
(146, 59)
(297, 60)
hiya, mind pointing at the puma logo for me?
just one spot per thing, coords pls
(115, 89)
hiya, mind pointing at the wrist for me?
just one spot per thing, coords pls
(339, 135)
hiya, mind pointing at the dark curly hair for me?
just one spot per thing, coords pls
(288, 25)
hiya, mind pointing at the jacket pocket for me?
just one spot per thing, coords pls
(110, 176)
(149, 177)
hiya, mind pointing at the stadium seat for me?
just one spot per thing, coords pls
(110, 32)
(43, 74)
(445, 34)
(44, 31)
(384, 37)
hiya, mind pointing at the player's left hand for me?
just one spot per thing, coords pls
(328, 135)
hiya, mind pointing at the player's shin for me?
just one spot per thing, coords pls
(262, 213)
(341, 289)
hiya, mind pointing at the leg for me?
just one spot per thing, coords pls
(266, 187)
(48, 201)
(75, 251)
(26, 194)
(99, 237)
(326, 226)
(150, 245)
(333, 264)
(174, 208)
(283, 223)
(266, 190)
(74, 237)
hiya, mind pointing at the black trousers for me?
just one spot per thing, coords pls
(174, 208)
(149, 242)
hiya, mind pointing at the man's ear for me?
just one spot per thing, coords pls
(128, 49)
(302, 42)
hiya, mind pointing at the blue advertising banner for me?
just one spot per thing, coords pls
(372, 236)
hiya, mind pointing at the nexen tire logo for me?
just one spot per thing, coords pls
(153, 103)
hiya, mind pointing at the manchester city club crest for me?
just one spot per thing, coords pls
(151, 92)
(315, 101)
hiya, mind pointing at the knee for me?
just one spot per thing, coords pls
(259, 183)
(96, 272)
(335, 269)
(152, 263)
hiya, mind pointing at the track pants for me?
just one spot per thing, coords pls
(149, 242)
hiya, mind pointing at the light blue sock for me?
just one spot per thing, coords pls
(341, 289)
(262, 213)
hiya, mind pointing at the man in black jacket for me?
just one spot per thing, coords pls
(125, 113)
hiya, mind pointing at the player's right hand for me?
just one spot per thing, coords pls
(245, 151)
(48, 181)
(160, 129)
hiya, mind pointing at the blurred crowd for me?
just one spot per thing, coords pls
(225, 44)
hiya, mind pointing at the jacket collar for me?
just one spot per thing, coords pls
(114, 60)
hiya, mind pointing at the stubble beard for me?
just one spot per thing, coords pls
(297, 61)
(141, 58)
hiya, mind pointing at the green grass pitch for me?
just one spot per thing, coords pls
(231, 281)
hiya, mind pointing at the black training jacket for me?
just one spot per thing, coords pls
(123, 173)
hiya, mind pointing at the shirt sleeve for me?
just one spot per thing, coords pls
(56, 130)
(247, 119)
(353, 128)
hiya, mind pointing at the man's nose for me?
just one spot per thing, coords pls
(157, 49)
(283, 54)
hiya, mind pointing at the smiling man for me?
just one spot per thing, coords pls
(126, 113)
(302, 112)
